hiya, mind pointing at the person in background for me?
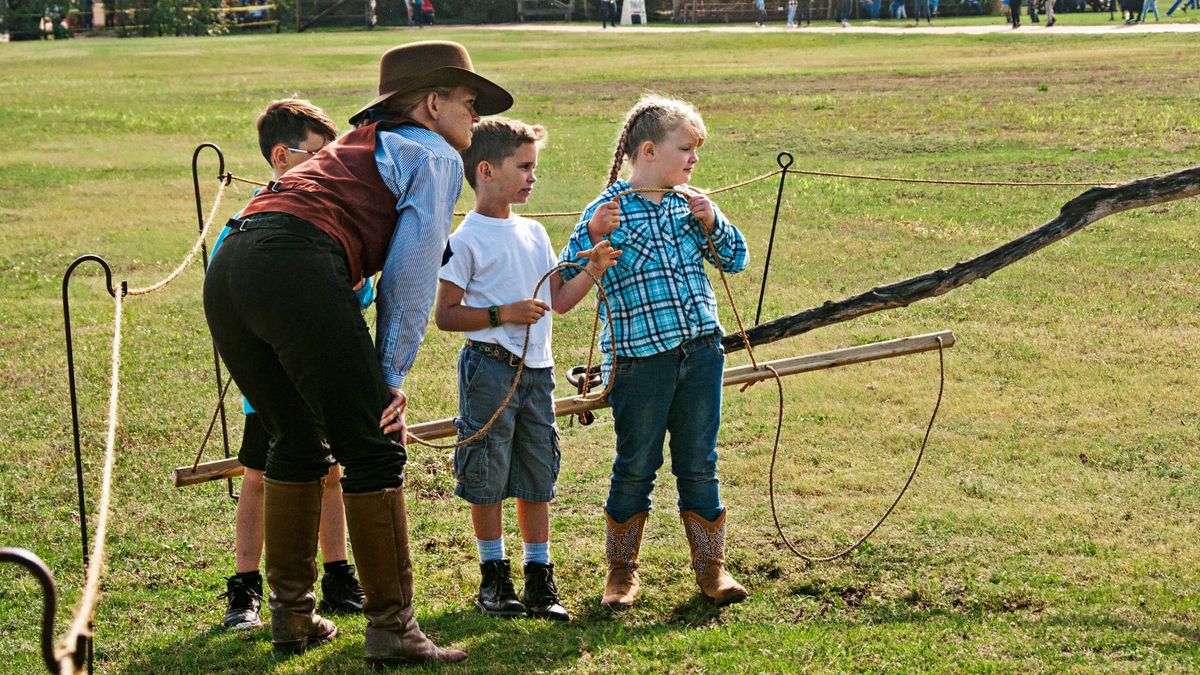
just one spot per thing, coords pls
(608, 13)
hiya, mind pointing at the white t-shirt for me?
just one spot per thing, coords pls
(498, 261)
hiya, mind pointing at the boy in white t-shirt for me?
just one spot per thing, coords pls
(489, 270)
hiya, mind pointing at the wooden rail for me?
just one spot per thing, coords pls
(228, 468)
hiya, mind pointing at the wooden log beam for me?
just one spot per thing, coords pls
(1087, 208)
(428, 431)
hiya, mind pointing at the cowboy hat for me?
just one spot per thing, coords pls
(421, 65)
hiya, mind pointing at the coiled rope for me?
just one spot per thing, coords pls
(687, 191)
(601, 299)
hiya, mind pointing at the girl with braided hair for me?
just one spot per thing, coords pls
(665, 337)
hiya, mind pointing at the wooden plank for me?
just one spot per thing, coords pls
(573, 405)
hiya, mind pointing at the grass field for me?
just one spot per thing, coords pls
(1052, 526)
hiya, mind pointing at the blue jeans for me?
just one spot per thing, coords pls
(677, 391)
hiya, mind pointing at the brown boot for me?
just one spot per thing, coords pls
(292, 516)
(378, 527)
(707, 541)
(622, 542)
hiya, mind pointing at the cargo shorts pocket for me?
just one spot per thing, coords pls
(470, 459)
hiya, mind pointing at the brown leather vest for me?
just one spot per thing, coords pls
(340, 192)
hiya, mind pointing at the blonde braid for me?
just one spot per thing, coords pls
(619, 155)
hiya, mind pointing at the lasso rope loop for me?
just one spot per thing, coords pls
(687, 191)
(912, 474)
(600, 299)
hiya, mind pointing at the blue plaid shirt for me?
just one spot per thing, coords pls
(661, 294)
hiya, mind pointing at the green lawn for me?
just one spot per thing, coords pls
(1052, 526)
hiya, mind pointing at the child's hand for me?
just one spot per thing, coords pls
(600, 257)
(605, 219)
(702, 208)
(523, 312)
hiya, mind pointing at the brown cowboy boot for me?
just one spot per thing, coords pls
(378, 527)
(292, 516)
(622, 542)
(707, 542)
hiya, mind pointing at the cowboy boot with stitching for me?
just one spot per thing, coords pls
(706, 539)
(292, 517)
(622, 542)
(378, 527)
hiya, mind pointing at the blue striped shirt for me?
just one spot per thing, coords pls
(425, 174)
(661, 295)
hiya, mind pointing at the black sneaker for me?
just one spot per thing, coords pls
(245, 598)
(541, 595)
(496, 595)
(340, 592)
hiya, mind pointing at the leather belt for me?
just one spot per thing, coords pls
(494, 352)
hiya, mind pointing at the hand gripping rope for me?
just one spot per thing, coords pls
(601, 299)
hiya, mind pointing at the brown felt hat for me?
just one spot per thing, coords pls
(421, 65)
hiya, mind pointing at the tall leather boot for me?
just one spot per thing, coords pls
(622, 543)
(292, 517)
(707, 542)
(378, 527)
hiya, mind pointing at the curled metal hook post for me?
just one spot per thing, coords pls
(222, 176)
(784, 159)
(66, 301)
(49, 598)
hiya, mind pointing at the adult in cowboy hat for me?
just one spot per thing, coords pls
(281, 307)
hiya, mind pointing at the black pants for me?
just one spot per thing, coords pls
(286, 322)
(1014, 7)
(608, 14)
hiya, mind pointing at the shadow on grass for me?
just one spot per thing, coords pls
(492, 644)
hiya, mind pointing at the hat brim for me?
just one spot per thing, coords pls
(490, 98)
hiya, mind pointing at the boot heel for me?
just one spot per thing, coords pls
(303, 645)
(290, 647)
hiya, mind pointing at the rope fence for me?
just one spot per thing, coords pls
(805, 172)
(69, 650)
